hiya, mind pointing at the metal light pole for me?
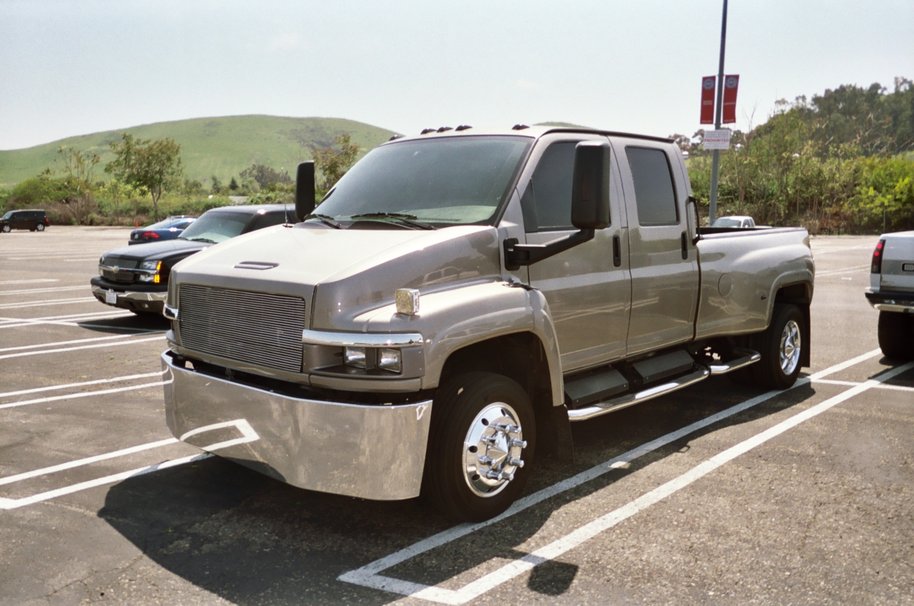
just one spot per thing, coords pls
(715, 156)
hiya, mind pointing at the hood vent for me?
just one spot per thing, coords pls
(256, 265)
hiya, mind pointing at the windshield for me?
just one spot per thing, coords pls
(216, 227)
(451, 181)
(7, 215)
(727, 223)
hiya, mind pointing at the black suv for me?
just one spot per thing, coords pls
(136, 277)
(30, 219)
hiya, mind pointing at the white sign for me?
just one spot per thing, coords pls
(717, 139)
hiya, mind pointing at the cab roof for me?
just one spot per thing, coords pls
(535, 131)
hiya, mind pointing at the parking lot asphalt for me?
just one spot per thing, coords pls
(718, 494)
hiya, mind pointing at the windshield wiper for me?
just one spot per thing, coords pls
(325, 219)
(400, 218)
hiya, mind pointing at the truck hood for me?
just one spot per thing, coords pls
(343, 273)
(154, 250)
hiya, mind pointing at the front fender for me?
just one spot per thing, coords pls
(451, 320)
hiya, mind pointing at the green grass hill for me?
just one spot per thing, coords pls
(220, 147)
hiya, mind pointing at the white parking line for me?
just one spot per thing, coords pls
(42, 352)
(22, 392)
(45, 302)
(32, 281)
(244, 428)
(29, 291)
(368, 575)
(65, 320)
(37, 473)
(844, 270)
(73, 341)
(80, 394)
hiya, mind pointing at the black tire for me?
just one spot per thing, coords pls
(896, 335)
(6, 229)
(782, 348)
(478, 416)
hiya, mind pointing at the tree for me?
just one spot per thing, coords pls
(37, 191)
(153, 165)
(78, 167)
(332, 163)
(265, 177)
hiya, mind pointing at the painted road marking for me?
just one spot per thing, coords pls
(74, 341)
(845, 270)
(67, 320)
(368, 575)
(32, 281)
(81, 394)
(22, 392)
(42, 352)
(244, 428)
(28, 291)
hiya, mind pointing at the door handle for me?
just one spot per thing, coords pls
(683, 242)
(617, 251)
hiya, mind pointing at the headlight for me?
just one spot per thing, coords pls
(369, 358)
(151, 271)
(390, 360)
(356, 357)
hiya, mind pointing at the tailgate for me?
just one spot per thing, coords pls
(898, 263)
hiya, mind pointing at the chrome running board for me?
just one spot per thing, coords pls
(602, 408)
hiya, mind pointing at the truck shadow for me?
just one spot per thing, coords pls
(127, 324)
(250, 539)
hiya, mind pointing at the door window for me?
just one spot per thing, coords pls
(547, 199)
(654, 194)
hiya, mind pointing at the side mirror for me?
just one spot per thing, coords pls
(304, 190)
(590, 186)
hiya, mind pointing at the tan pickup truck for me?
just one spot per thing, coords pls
(458, 299)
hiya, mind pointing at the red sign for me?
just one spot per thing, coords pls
(731, 83)
(707, 99)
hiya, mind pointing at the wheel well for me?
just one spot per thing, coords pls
(520, 357)
(798, 294)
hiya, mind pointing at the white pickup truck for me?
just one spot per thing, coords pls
(458, 299)
(891, 291)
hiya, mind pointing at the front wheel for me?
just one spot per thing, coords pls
(480, 448)
(40, 227)
(781, 346)
(6, 229)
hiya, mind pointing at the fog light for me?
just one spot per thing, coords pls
(389, 360)
(355, 356)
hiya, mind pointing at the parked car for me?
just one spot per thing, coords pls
(166, 229)
(891, 291)
(136, 277)
(32, 219)
(735, 221)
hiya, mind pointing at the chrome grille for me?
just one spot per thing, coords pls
(255, 328)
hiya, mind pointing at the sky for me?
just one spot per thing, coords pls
(73, 67)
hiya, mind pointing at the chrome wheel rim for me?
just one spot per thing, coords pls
(791, 344)
(492, 449)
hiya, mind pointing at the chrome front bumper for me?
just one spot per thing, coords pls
(368, 451)
(131, 297)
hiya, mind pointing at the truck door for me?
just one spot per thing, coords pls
(664, 266)
(587, 286)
